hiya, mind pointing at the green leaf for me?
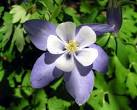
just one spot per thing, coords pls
(120, 71)
(39, 100)
(96, 99)
(57, 104)
(56, 12)
(7, 17)
(112, 44)
(26, 85)
(59, 2)
(35, 15)
(19, 14)
(129, 19)
(102, 41)
(11, 80)
(125, 52)
(132, 84)
(18, 77)
(1, 73)
(22, 104)
(117, 85)
(123, 102)
(7, 31)
(102, 2)
(73, 13)
(18, 38)
(85, 7)
(100, 82)
(9, 54)
(56, 84)
(126, 32)
(90, 18)
(49, 5)
(132, 56)
(101, 100)
(108, 42)
(110, 103)
(2, 108)
(17, 92)
(70, 11)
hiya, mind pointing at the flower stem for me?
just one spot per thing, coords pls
(81, 107)
(116, 44)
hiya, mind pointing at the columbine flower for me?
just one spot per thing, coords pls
(72, 47)
(69, 51)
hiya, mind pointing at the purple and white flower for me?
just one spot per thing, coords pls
(69, 51)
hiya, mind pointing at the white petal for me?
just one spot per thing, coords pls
(65, 62)
(86, 56)
(66, 31)
(55, 45)
(86, 36)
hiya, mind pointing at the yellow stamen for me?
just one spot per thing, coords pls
(71, 46)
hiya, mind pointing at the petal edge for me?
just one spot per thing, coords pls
(38, 31)
(78, 86)
(42, 74)
(101, 62)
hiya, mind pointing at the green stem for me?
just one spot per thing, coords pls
(116, 44)
(82, 107)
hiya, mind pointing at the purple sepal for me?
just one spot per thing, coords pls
(99, 28)
(101, 62)
(42, 74)
(38, 31)
(79, 85)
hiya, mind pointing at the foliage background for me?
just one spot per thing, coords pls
(116, 90)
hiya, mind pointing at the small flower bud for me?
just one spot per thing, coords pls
(114, 14)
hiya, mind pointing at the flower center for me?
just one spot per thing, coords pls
(71, 46)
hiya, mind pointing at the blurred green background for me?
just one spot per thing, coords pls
(116, 90)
